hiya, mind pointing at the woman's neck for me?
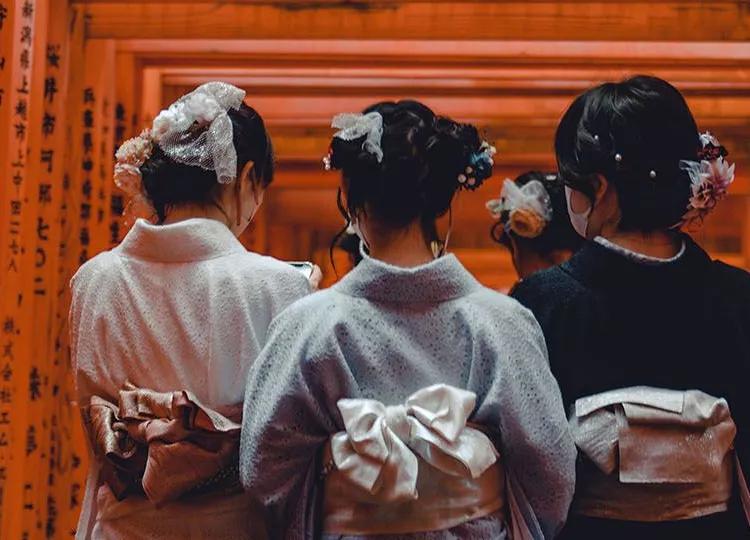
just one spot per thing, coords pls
(190, 211)
(401, 248)
(659, 244)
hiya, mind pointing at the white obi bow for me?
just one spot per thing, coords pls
(378, 451)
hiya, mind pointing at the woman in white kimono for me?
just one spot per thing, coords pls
(402, 401)
(165, 326)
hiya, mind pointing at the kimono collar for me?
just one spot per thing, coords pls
(598, 265)
(439, 280)
(191, 240)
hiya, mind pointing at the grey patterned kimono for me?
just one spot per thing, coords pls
(382, 333)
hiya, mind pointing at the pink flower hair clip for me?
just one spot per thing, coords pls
(710, 179)
(129, 158)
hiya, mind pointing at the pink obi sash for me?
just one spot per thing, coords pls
(653, 454)
(411, 468)
(163, 444)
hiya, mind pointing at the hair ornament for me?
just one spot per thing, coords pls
(196, 129)
(352, 126)
(479, 167)
(525, 210)
(129, 158)
(652, 174)
(618, 158)
(710, 179)
(327, 160)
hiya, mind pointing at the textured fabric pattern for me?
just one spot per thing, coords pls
(612, 322)
(486, 528)
(174, 307)
(383, 333)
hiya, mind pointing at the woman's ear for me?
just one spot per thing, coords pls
(600, 185)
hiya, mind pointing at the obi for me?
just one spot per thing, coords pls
(164, 445)
(652, 454)
(411, 468)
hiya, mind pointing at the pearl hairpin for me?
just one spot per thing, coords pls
(652, 174)
(618, 158)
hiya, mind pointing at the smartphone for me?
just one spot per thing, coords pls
(304, 267)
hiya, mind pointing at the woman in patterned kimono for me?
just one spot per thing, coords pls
(648, 337)
(407, 401)
(165, 326)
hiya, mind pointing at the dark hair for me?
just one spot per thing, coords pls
(168, 183)
(623, 131)
(557, 234)
(423, 156)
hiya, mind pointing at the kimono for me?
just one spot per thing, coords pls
(181, 308)
(388, 334)
(650, 342)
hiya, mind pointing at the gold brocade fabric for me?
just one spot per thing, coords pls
(653, 454)
(444, 501)
(162, 444)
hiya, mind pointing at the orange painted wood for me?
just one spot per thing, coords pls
(662, 21)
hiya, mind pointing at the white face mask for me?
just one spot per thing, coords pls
(580, 221)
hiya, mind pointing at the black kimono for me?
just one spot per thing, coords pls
(612, 321)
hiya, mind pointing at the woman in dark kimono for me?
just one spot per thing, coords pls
(648, 336)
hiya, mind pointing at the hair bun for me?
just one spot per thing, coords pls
(457, 150)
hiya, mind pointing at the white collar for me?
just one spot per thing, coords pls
(194, 239)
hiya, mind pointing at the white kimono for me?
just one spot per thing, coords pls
(175, 307)
(383, 333)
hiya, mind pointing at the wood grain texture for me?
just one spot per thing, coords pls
(642, 21)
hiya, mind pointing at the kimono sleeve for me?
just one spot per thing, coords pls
(289, 413)
(524, 401)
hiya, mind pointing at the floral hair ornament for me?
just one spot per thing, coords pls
(479, 168)
(709, 180)
(131, 155)
(526, 210)
(353, 126)
(195, 130)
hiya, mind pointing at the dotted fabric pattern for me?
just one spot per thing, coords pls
(383, 333)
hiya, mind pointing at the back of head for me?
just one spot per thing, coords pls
(425, 159)
(634, 133)
(551, 232)
(168, 182)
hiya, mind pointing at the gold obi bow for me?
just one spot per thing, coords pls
(653, 454)
(166, 443)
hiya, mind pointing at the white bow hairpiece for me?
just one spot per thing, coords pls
(213, 147)
(353, 126)
(532, 195)
(379, 447)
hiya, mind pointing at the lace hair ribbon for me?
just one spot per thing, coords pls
(352, 126)
(179, 132)
(529, 207)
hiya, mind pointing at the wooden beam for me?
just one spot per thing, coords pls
(484, 53)
(582, 21)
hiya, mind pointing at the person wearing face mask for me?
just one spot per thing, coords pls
(406, 401)
(533, 223)
(648, 336)
(165, 326)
